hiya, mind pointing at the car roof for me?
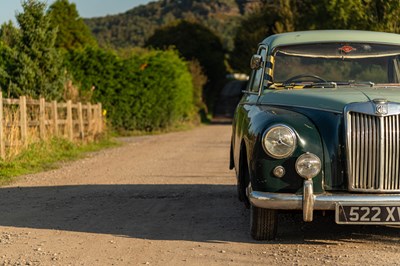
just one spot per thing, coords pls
(320, 36)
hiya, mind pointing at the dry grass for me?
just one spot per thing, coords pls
(41, 125)
(12, 131)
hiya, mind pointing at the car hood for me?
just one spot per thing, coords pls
(329, 99)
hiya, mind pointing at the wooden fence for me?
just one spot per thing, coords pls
(25, 120)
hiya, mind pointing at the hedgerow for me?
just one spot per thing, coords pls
(150, 91)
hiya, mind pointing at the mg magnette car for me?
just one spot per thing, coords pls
(318, 128)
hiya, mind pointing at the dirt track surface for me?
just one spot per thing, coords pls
(165, 200)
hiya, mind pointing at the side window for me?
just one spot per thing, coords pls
(258, 74)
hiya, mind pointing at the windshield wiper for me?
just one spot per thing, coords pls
(354, 83)
(300, 85)
(311, 85)
(330, 84)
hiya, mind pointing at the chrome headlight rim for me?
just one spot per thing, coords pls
(292, 133)
(314, 157)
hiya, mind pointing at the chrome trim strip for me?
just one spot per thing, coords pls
(381, 150)
(260, 48)
(301, 106)
(325, 201)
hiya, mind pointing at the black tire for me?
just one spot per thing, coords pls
(241, 186)
(263, 223)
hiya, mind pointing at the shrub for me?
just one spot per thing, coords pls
(157, 92)
(147, 91)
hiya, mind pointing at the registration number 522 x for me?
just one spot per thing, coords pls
(365, 214)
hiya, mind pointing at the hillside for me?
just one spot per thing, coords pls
(135, 26)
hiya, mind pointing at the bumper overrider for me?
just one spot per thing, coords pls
(308, 201)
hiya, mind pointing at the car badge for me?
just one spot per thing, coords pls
(381, 109)
(347, 49)
(381, 106)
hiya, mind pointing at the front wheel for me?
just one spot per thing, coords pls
(263, 223)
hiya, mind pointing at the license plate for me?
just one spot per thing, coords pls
(367, 214)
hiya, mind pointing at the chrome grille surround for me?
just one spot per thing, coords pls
(373, 146)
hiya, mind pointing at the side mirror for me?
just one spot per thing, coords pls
(255, 62)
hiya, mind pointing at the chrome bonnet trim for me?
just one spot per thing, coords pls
(302, 106)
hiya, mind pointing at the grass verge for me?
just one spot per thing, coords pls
(184, 126)
(47, 155)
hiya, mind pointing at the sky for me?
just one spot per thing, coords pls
(86, 8)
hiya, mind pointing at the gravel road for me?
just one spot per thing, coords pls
(165, 200)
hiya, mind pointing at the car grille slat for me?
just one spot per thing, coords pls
(374, 151)
(397, 154)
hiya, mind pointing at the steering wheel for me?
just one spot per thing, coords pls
(290, 80)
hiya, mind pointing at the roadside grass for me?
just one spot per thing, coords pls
(183, 126)
(47, 155)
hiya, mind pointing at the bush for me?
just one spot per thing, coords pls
(157, 92)
(149, 91)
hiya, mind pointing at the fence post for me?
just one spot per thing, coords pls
(100, 118)
(24, 121)
(42, 118)
(89, 117)
(2, 143)
(95, 118)
(80, 117)
(70, 126)
(54, 110)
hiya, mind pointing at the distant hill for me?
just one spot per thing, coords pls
(135, 26)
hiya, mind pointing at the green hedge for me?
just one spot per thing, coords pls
(145, 92)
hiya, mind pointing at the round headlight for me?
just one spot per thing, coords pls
(279, 141)
(308, 165)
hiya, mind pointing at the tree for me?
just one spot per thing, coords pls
(377, 15)
(253, 29)
(72, 30)
(194, 41)
(8, 40)
(6, 59)
(9, 34)
(279, 16)
(38, 65)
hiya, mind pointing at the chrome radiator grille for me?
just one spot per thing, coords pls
(373, 147)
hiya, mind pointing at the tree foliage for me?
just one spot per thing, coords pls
(289, 15)
(37, 70)
(6, 59)
(135, 26)
(250, 33)
(72, 30)
(376, 15)
(9, 34)
(194, 41)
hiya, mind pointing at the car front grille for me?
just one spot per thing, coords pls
(373, 150)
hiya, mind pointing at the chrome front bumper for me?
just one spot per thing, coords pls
(308, 202)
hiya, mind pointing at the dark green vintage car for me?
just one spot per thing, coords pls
(318, 128)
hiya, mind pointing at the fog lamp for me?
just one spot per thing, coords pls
(308, 165)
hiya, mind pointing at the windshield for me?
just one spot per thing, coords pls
(336, 62)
